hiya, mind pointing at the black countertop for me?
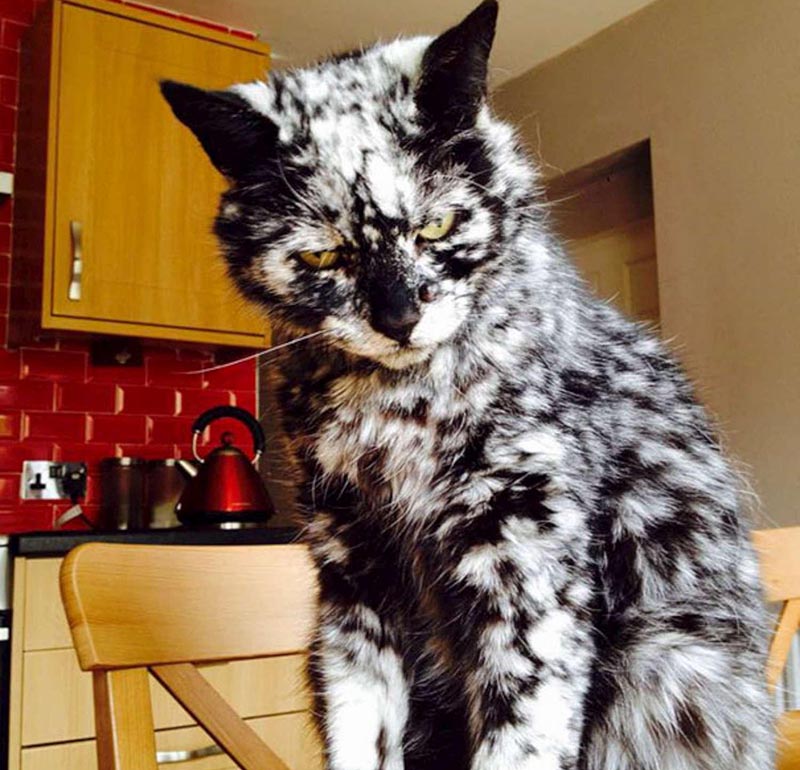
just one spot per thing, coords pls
(59, 543)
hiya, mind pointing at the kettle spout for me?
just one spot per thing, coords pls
(188, 468)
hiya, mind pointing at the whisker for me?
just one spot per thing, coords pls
(261, 352)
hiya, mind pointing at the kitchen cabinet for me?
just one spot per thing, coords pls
(116, 198)
(51, 708)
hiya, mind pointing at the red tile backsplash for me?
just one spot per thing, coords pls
(41, 425)
(194, 402)
(141, 399)
(107, 429)
(54, 365)
(9, 488)
(13, 454)
(9, 425)
(54, 404)
(171, 430)
(88, 397)
(26, 395)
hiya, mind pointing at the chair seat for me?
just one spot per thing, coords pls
(789, 741)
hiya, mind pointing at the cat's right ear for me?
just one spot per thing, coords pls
(235, 137)
(453, 73)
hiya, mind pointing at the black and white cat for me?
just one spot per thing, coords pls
(528, 541)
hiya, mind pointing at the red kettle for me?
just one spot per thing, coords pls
(225, 488)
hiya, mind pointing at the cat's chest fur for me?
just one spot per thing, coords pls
(385, 439)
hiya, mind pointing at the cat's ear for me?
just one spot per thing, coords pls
(235, 137)
(452, 82)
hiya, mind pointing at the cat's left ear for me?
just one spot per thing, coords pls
(235, 137)
(452, 82)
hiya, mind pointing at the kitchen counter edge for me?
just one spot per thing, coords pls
(35, 544)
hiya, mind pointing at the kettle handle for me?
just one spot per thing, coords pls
(253, 425)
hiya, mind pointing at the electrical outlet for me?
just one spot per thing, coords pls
(44, 480)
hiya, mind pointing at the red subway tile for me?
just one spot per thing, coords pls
(6, 150)
(118, 429)
(8, 117)
(195, 402)
(9, 64)
(149, 400)
(10, 426)
(5, 268)
(4, 293)
(239, 375)
(246, 400)
(92, 488)
(171, 430)
(19, 10)
(44, 425)
(5, 239)
(149, 451)
(57, 365)
(8, 91)
(170, 372)
(12, 455)
(116, 375)
(91, 454)
(88, 397)
(27, 517)
(10, 363)
(26, 395)
(11, 33)
(9, 488)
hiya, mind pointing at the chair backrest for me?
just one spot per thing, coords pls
(779, 555)
(135, 610)
(159, 609)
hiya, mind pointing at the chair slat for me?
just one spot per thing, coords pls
(779, 553)
(788, 741)
(220, 721)
(214, 603)
(788, 623)
(124, 720)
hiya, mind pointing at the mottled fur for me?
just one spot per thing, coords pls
(528, 542)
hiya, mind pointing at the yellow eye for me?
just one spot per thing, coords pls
(320, 259)
(438, 228)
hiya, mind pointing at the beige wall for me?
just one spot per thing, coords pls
(715, 86)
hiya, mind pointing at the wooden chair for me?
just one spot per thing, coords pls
(161, 609)
(779, 552)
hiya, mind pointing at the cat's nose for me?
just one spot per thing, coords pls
(397, 323)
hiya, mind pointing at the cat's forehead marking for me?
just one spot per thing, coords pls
(348, 113)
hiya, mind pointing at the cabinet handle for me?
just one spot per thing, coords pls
(76, 274)
(172, 757)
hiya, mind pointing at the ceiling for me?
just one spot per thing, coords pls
(528, 33)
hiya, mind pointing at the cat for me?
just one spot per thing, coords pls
(529, 545)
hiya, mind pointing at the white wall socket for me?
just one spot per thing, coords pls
(40, 481)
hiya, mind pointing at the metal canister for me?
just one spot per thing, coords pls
(165, 484)
(122, 500)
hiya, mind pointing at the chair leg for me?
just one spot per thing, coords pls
(124, 720)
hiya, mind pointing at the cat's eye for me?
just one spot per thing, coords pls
(320, 259)
(438, 228)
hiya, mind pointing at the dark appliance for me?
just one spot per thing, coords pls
(225, 489)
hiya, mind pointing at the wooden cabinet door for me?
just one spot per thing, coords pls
(138, 184)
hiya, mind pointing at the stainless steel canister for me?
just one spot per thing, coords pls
(122, 501)
(165, 483)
